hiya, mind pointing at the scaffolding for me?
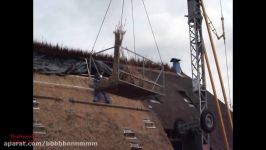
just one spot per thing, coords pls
(128, 79)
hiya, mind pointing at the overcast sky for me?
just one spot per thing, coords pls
(75, 23)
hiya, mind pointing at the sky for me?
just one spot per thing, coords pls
(75, 24)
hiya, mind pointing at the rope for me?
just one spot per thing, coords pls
(91, 59)
(225, 50)
(218, 37)
(101, 26)
(222, 19)
(227, 75)
(132, 10)
(213, 28)
(95, 66)
(152, 31)
(221, 8)
(122, 13)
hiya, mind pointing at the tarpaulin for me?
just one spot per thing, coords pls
(48, 64)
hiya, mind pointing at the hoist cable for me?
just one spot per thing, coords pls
(101, 26)
(225, 50)
(152, 31)
(133, 27)
(122, 13)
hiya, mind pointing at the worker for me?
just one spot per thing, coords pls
(98, 91)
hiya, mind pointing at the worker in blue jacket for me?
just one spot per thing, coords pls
(98, 91)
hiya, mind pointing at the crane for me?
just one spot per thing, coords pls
(204, 123)
(198, 67)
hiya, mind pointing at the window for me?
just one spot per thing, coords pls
(155, 101)
(38, 128)
(148, 123)
(129, 134)
(35, 104)
(136, 146)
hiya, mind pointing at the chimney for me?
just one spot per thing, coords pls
(176, 65)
